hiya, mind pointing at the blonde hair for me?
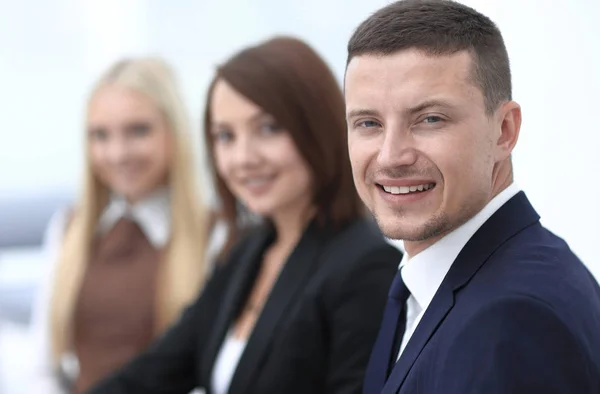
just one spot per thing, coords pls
(183, 271)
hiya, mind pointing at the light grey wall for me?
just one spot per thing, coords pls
(51, 51)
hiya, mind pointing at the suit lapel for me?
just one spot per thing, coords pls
(294, 274)
(235, 295)
(511, 218)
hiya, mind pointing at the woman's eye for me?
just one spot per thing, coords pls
(269, 128)
(99, 135)
(140, 129)
(223, 136)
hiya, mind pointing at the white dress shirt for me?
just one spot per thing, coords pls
(423, 273)
(226, 363)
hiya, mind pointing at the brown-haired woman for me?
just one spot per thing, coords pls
(296, 303)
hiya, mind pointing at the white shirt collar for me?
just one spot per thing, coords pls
(423, 273)
(152, 214)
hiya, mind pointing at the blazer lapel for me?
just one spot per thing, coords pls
(235, 295)
(511, 218)
(294, 274)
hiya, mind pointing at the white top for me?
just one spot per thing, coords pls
(153, 217)
(423, 273)
(226, 363)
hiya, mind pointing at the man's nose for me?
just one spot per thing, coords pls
(397, 149)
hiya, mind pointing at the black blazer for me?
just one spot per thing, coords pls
(315, 332)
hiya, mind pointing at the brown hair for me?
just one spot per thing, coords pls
(291, 82)
(440, 27)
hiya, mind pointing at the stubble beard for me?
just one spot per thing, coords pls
(432, 228)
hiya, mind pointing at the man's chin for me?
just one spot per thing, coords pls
(394, 232)
(413, 233)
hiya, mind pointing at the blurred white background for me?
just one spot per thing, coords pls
(52, 51)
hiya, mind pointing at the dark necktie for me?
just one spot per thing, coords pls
(387, 345)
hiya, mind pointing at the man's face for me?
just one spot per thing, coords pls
(422, 147)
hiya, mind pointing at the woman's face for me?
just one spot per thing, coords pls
(130, 144)
(257, 158)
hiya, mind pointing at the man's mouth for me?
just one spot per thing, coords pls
(408, 189)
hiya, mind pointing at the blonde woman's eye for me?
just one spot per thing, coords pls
(99, 134)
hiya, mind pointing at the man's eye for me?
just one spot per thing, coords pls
(432, 119)
(368, 124)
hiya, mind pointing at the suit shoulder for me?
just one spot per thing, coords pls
(360, 243)
(536, 263)
(360, 235)
(246, 239)
(537, 270)
(538, 244)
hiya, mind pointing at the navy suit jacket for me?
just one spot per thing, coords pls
(518, 313)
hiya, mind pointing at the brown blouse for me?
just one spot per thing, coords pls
(115, 312)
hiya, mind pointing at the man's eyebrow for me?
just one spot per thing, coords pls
(361, 112)
(355, 113)
(428, 104)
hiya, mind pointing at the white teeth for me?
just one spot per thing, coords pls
(407, 189)
(257, 181)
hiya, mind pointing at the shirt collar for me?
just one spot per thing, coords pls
(423, 273)
(152, 214)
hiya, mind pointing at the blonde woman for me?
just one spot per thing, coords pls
(130, 255)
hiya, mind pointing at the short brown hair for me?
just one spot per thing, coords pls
(440, 27)
(291, 82)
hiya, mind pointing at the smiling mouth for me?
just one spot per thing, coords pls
(257, 180)
(407, 189)
(257, 185)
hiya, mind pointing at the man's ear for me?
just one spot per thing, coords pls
(509, 118)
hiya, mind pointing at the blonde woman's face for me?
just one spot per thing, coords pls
(130, 144)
